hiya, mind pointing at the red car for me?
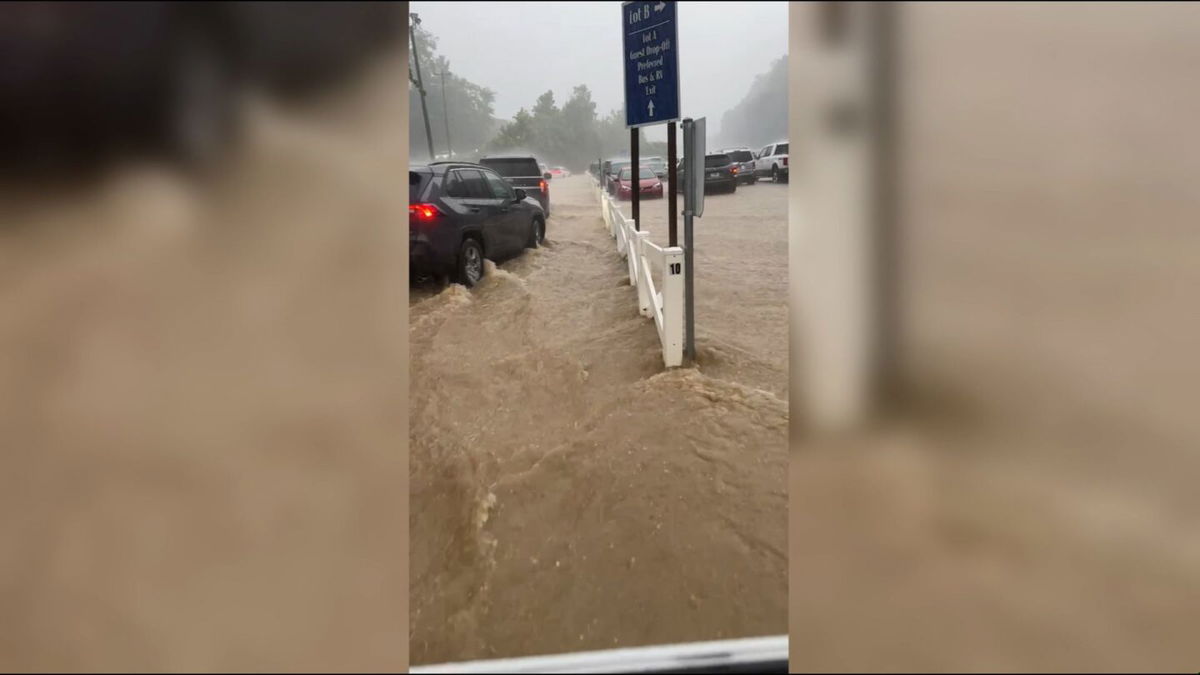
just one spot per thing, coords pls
(648, 183)
(558, 172)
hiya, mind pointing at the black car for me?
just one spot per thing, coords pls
(461, 213)
(525, 172)
(744, 159)
(613, 169)
(720, 171)
(91, 77)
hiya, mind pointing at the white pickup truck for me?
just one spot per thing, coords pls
(772, 162)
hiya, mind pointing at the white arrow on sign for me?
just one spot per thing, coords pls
(660, 6)
(650, 108)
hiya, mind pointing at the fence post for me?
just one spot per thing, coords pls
(672, 310)
(639, 258)
(614, 221)
(631, 245)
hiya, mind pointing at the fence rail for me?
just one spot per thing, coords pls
(664, 305)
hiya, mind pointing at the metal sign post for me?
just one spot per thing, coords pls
(635, 186)
(672, 181)
(651, 62)
(693, 166)
(693, 206)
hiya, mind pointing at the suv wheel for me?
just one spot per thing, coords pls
(469, 268)
(537, 234)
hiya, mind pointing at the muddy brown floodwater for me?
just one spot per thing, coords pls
(570, 494)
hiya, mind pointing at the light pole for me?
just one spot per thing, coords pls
(412, 32)
(445, 110)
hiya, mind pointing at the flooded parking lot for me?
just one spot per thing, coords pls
(569, 494)
(741, 281)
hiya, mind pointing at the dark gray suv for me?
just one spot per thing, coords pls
(460, 214)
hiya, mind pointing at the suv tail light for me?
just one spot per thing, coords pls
(423, 213)
(785, 161)
(733, 170)
(542, 185)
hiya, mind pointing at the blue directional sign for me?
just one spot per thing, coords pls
(651, 62)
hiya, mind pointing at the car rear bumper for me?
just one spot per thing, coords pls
(721, 183)
(430, 255)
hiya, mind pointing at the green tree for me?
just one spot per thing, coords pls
(544, 109)
(581, 126)
(516, 134)
(549, 140)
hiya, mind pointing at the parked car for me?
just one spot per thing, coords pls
(649, 185)
(772, 162)
(658, 165)
(523, 171)
(720, 172)
(744, 159)
(166, 77)
(460, 214)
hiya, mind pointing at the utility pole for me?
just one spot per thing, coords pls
(412, 32)
(445, 110)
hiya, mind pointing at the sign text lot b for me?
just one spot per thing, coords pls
(651, 62)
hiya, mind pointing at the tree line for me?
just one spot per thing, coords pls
(573, 134)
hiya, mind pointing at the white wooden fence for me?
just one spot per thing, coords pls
(665, 306)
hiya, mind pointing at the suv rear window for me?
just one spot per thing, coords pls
(781, 149)
(716, 160)
(741, 155)
(513, 167)
(416, 185)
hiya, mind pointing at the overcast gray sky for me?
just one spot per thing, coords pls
(521, 49)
